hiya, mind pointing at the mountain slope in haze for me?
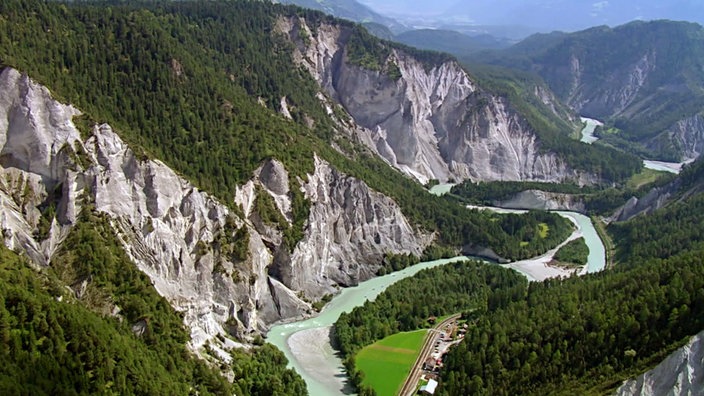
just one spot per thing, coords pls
(349, 9)
(540, 15)
(643, 78)
(443, 40)
(574, 14)
(450, 41)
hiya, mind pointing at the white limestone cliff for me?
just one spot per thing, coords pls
(680, 374)
(175, 232)
(543, 200)
(431, 122)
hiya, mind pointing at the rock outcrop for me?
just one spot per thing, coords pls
(543, 200)
(655, 199)
(688, 184)
(686, 136)
(616, 93)
(429, 121)
(680, 374)
(181, 237)
(349, 224)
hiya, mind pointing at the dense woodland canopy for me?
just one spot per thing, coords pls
(472, 287)
(596, 199)
(586, 334)
(487, 193)
(583, 334)
(574, 252)
(407, 304)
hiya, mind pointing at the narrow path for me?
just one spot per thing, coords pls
(409, 386)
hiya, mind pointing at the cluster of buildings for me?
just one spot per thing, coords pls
(449, 336)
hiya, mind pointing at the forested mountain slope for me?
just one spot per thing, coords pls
(232, 180)
(116, 336)
(582, 335)
(643, 78)
(648, 199)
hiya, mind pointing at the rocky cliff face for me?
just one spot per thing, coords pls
(686, 136)
(688, 184)
(655, 199)
(681, 373)
(432, 122)
(349, 225)
(181, 237)
(543, 200)
(616, 93)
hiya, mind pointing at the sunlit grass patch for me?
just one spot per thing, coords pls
(386, 363)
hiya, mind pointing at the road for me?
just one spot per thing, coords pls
(409, 386)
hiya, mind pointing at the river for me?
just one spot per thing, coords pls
(672, 167)
(306, 343)
(538, 268)
(589, 138)
(588, 131)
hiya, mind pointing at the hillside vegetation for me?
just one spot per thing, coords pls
(554, 123)
(599, 200)
(406, 305)
(581, 335)
(199, 86)
(574, 252)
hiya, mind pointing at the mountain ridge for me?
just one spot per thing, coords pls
(628, 77)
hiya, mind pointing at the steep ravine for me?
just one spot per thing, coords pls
(180, 236)
(432, 122)
(626, 77)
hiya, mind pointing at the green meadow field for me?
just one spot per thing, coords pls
(386, 363)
